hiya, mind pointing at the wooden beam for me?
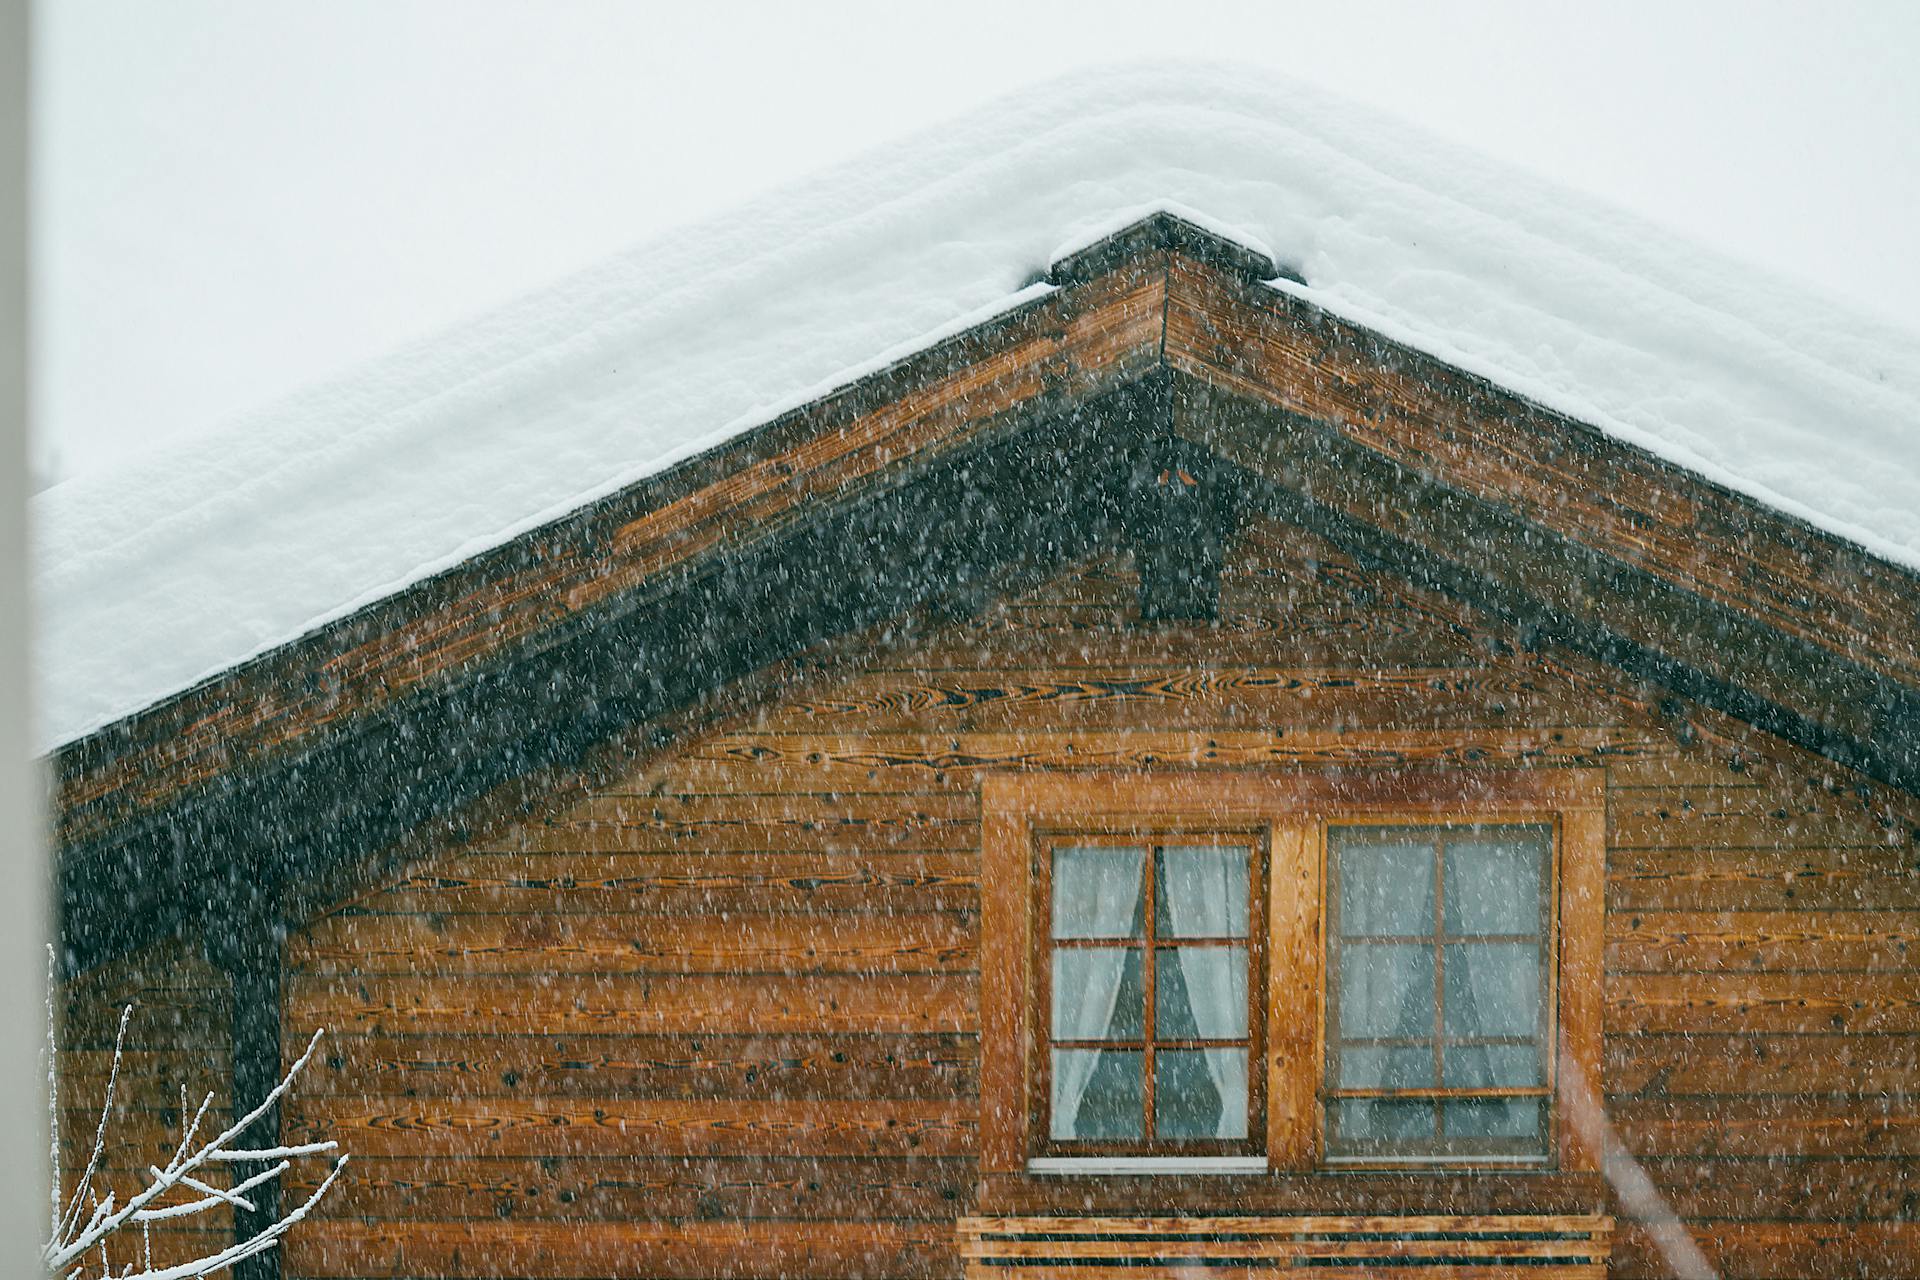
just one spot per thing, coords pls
(247, 945)
(1180, 507)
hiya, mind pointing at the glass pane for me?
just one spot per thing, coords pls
(1099, 892)
(1200, 1093)
(1385, 886)
(1200, 993)
(1371, 1067)
(1492, 989)
(1491, 1066)
(1200, 891)
(1099, 1093)
(1099, 993)
(1492, 1118)
(1381, 1119)
(1494, 885)
(1386, 989)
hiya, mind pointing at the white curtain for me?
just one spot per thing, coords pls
(1493, 989)
(1098, 891)
(1211, 903)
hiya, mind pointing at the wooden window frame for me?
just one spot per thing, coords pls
(1152, 837)
(1294, 809)
(1440, 1151)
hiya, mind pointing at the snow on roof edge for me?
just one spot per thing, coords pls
(685, 342)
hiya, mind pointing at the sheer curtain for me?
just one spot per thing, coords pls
(1096, 893)
(1216, 977)
(1492, 988)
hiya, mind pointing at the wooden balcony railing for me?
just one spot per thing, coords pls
(1516, 1247)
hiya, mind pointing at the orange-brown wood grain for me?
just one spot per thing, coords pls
(738, 1002)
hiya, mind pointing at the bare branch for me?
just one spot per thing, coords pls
(71, 1240)
(85, 1185)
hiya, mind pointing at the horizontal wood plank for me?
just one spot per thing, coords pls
(1743, 1062)
(688, 884)
(1743, 818)
(729, 824)
(1745, 941)
(1781, 1250)
(575, 943)
(662, 1066)
(1846, 879)
(1859, 1004)
(1147, 700)
(592, 1190)
(684, 1004)
(1772, 1189)
(1276, 1193)
(1782, 1127)
(623, 1250)
(376, 1126)
(1285, 1228)
(857, 762)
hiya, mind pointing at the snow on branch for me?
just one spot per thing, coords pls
(83, 1236)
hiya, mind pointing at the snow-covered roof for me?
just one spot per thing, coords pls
(158, 575)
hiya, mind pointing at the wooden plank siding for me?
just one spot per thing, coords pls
(720, 1016)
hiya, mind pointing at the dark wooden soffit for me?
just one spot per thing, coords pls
(926, 479)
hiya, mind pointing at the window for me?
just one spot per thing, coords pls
(1150, 1027)
(1294, 972)
(1438, 978)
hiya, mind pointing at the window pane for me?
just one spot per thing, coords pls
(1099, 892)
(1201, 891)
(1380, 1120)
(1099, 993)
(1494, 885)
(1492, 1066)
(1386, 989)
(1492, 989)
(1492, 1118)
(1099, 1093)
(1200, 993)
(1200, 1093)
(1370, 1067)
(1385, 886)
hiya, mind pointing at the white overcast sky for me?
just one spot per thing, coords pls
(233, 199)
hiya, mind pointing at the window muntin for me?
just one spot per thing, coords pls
(1439, 991)
(1150, 1042)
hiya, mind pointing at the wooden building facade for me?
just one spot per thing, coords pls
(1506, 840)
